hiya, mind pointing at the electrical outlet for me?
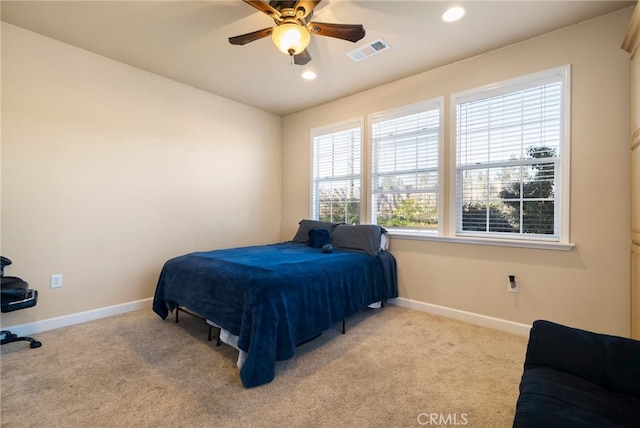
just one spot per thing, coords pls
(56, 280)
(512, 284)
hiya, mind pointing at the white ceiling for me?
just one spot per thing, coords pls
(187, 41)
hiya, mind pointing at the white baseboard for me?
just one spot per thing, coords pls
(470, 317)
(67, 320)
(80, 317)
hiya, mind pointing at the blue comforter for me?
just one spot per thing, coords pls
(274, 296)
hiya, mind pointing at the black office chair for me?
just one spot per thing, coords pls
(15, 294)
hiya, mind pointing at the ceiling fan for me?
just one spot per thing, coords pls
(293, 29)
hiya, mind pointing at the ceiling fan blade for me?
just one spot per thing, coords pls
(250, 37)
(302, 58)
(305, 7)
(264, 7)
(351, 32)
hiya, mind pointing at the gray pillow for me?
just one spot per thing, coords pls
(361, 237)
(302, 235)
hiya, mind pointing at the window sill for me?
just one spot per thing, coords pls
(425, 236)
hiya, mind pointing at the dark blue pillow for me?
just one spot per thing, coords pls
(305, 225)
(319, 237)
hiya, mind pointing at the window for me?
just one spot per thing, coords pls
(336, 158)
(511, 158)
(405, 181)
(507, 174)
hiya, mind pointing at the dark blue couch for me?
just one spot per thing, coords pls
(576, 378)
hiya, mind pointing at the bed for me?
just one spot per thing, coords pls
(268, 299)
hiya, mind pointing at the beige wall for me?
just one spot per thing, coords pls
(586, 287)
(108, 171)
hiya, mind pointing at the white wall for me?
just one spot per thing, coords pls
(108, 171)
(586, 287)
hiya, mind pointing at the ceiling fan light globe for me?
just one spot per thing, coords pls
(290, 38)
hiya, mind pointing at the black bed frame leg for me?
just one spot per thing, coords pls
(344, 331)
(218, 341)
(209, 334)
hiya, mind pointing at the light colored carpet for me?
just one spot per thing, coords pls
(395, 367)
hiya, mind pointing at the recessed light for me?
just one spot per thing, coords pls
(309, 75)
(453, 14)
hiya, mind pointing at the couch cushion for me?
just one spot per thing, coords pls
(567, 349)
(622, 368)
(609, 361)
(552, 398)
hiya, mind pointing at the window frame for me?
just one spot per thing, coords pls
(562, 182)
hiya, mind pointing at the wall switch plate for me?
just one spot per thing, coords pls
(56, 280)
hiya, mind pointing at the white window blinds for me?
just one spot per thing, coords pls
(336, 173)
(509, 144)
(405, 184)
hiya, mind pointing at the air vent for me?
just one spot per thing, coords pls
(368, 50)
